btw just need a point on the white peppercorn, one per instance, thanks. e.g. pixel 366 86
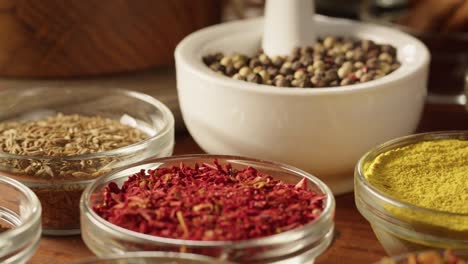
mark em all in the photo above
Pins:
pixel 349 54
pixel 318 64
pixel 346 81
pixel 385 57
pixel 328 42
pixel 345 69
pixel 300 75
pixel 245 71
pixel 264 59
pixel 277 61
pixel 254 78
pixel 358 65
pixel 226 61
pixel 239 57
pixel 282 83
pixel 265 76
pixel 239 64
pixel 385 67
pixel 358 74
pixel 257 69
pixel 237 76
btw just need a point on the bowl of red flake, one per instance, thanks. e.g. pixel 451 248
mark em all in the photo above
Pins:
pixel 226 207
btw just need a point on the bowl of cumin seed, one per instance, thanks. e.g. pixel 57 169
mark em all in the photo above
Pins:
pixel 58 140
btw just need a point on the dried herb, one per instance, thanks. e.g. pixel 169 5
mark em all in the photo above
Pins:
pixel 64 135
pixel 48 142
pixel 208 202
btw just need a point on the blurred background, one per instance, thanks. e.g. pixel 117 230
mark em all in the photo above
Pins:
pixel 130 44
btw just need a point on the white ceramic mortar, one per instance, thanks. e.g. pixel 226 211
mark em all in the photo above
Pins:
pixel 321 130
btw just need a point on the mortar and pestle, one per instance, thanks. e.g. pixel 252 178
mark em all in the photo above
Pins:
pixel 324 130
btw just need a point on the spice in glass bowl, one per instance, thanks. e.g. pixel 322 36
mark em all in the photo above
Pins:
pixel 427 257
pixel 429 174
pixel 412 190
pixel 332 61
pixel 65 135
pixel 208 202
pixel 58 183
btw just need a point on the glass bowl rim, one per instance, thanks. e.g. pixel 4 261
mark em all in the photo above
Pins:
pixel 280 238
pixel 167 115
pixel 32 200
pixel 150 255
pixel 405 255
pixel 428 136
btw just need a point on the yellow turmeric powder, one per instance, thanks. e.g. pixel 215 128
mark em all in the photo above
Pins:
pixel 429 174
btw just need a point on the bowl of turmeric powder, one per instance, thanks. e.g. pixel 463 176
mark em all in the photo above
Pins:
pixel 414 191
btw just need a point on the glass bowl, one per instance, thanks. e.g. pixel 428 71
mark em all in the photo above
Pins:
pixel 20 221
pixel 300 245
pixel 152 257
pixel 402 259
pixel 401 227
pixel 60 193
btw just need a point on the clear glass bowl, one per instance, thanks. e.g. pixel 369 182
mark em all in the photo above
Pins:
pixel 401 259
pixel 401 227
pixel 20 222
pixel 60 195
pixel 300 245
pixel 152 257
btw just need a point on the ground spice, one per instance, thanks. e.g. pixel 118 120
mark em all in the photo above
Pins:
pixel 60 206
pixel 429 174
pixel 55 137
pixel 208 202
pixel 429 257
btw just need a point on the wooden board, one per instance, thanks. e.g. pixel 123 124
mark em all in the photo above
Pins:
pixel 51 38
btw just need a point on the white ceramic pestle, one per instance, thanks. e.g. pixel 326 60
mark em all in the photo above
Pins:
pixel 287 24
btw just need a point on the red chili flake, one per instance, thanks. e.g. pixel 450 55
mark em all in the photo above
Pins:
pixel 209 202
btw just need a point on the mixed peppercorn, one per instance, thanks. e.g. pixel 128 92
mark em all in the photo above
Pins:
pixel 331 61
pixel 209 202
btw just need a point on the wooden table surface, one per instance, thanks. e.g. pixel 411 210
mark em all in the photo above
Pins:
pixel 354 243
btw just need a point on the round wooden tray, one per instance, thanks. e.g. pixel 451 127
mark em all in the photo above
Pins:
pixel 56 38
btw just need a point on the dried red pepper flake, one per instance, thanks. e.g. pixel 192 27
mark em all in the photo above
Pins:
pixel 208 202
